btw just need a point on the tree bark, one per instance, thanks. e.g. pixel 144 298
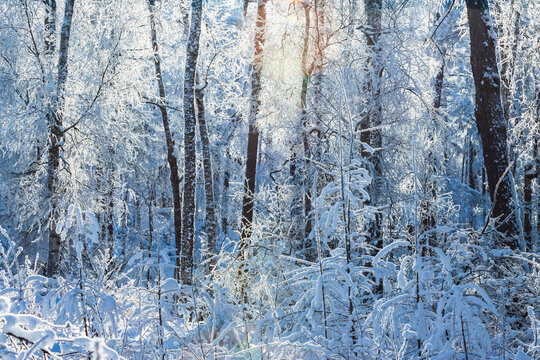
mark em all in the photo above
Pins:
pixel 56 139
pixel 150 237
pixel 528 176
pixel 373 118
pixel 537 175
pixel 428 219
pixel 300 170
pixel 439 84
pixel 171 153
pixel 225 196
pixel 490 120
pixel 531 172
pixel 253 131
pixel 211 218
pixel 190 166
pixel 109 217
pixel 307 70
pixel 50 27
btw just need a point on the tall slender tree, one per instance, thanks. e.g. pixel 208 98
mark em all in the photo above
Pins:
pixel 190 165
pixel 490 120
pixel 300 169
pixel 56 141
pixel 211 218
pixel 371 134
pixel 50 26
pixel 171 153
pixel 531 171
pixel 253 130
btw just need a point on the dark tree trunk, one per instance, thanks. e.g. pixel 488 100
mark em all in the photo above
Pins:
pixel 106 173
pixel 471 175
pixel 225 197
pixel 472 157
pixel 528 177
pixel 211 218
pixel 490 120
pixel 428 218
pixel 253 131
pixel 50 27
pixel 373 118
pixel 171 153
pixel 297 218
pixel 318 145
pixel 300 170
pixel 190 166
pixel 109 217
pixel 439 84
pixel 537 175
pixel 138 216
pixel 252 148
pixel 125 219
pixel 50 46
pixel 532 171
pixel 56 139
pixel 309 254
pixel 150 237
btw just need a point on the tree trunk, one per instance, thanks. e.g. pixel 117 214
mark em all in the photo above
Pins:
pixel 490 120
pixel 56 139
pixel 171 153
pixel 301 174
pixel 528 176
pixel 190 166
pixel 225 196
pixel 428 219
pixel 532 171
pixel 50 27
pixel 109 217
pixel 211 218
pixel 471 181
pixel 253 131
pixel 318 146
pixel 537 175
pixel 50 46
pixel 150 238
pixel 297 217
pixel 439 84
pixel 373 118
pixel 309 254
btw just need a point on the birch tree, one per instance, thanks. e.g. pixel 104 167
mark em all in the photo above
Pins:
pixel 211 218
pixel 190 165
pixel 56 140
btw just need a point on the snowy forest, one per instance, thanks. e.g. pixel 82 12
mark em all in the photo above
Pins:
pixel 269 179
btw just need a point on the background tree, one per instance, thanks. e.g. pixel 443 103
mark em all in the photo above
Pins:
pixel 253 130
pixel 172 152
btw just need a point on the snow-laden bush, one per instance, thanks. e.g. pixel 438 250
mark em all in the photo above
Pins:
pixel 41 317
pixel 450 302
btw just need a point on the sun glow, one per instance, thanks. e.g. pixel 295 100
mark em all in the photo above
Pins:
pixel 292 19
